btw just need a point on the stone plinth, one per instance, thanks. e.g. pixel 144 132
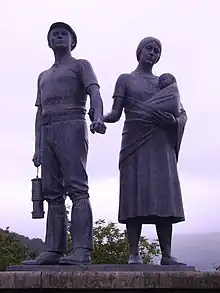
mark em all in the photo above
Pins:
pixel 103 277
pixel 102 268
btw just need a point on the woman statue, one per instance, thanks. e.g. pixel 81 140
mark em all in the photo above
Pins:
pixel 154 123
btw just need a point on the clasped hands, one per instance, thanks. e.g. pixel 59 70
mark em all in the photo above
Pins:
pixel 98 126
pixel 163 118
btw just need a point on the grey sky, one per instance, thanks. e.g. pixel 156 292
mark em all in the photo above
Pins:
pixel 108 33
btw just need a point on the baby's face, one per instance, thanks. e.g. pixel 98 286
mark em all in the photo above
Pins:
pixel 165 81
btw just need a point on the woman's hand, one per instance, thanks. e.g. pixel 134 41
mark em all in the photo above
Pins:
pixel 163 118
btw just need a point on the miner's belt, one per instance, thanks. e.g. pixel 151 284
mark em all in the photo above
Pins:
pixel 60 117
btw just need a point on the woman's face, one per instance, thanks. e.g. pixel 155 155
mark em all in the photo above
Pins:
pixel 150 53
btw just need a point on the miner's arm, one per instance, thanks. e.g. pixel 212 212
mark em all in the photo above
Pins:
pixel 91 85
pixel 38 124
pixel 96 104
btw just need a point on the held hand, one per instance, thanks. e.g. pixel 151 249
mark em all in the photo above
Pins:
pixel 37 159
pixel 163 118
pixel 98 126
pixel 91 114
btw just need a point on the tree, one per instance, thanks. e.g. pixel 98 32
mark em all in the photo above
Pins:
pixel 11 251
pixel 111 246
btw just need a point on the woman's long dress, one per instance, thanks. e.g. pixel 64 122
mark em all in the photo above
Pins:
pixel 149 183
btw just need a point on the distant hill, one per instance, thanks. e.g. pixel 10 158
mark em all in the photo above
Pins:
pixel 34 244
pixel 199 250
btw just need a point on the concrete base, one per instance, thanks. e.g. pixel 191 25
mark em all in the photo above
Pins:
pixel 101 268
pixel 130 280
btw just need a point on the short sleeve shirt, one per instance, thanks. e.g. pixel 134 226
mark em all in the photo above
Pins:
pixel 66 83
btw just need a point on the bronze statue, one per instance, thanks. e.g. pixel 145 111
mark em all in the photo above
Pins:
pixel 61 147
pixel 154 124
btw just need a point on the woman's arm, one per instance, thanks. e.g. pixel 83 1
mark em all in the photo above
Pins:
pixel 182 116
pixel 119 97
pixel 115 114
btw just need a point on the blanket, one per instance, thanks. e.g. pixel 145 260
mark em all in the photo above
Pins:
pixel 166 100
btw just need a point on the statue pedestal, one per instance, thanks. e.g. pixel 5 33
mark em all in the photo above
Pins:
pixel 101 268
pixel 105 277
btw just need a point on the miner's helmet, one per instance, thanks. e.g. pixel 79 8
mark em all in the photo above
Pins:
pixel 67 27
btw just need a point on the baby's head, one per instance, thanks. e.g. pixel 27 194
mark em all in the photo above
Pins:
pixel 165 80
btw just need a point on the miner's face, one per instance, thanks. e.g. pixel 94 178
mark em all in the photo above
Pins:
pixel 60 38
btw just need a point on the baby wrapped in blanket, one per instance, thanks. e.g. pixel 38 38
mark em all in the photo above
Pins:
pixel 168 98
pixel 165 80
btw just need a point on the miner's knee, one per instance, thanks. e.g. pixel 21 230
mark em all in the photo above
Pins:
pixel 55 199
pixel 77 197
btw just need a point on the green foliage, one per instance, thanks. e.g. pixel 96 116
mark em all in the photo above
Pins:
pixel 11 251
pixel 111 247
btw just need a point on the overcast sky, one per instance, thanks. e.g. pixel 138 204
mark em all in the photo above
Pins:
pixel 108 34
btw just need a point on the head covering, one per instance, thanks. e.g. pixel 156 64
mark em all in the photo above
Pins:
pixel 67 27
pixel 144 42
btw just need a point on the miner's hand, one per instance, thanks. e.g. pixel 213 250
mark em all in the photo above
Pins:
pixel 98 126
pixel 91 114
pixel 37 159
pixel 163 118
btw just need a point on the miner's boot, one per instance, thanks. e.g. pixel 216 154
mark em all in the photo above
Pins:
pixel 82 233
pixel 56 236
